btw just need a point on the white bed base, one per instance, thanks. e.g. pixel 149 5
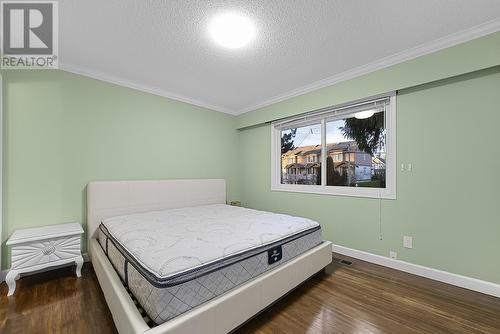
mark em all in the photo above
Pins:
pixel 219 315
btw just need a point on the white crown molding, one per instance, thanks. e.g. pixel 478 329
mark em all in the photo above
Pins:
pixel 470 283
pixel 412 53
pixel 138 86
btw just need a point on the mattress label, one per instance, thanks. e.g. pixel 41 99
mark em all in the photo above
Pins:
pixel 274 255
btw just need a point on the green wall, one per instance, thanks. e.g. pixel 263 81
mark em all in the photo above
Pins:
pixel 477 54
pixel 62 131
pixel 449 203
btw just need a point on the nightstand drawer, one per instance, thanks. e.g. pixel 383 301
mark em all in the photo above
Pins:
pixel 45 251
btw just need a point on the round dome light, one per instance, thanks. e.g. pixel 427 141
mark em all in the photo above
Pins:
pixel 232 30
pixel 364 114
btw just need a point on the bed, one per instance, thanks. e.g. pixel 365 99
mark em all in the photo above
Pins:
pixel 174 250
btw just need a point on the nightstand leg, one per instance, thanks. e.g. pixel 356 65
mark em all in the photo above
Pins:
pixel 11 281
pixel 79 264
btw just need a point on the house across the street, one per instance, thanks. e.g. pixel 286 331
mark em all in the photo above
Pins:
pixel 302 165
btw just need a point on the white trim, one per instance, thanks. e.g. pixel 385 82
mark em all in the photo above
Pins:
pixel 386 193
pixel 312 117
pixel 323 152
pixel 470 283
pixel 400 57
pixel 80 70
pixel 2 277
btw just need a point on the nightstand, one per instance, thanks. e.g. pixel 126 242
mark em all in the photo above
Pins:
pixel 43 247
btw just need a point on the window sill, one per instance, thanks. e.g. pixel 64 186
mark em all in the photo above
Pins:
pixel 336 191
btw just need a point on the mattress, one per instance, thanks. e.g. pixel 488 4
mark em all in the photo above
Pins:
pixel 174 260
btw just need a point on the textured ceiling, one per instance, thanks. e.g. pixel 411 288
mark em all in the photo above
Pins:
pixel 164 47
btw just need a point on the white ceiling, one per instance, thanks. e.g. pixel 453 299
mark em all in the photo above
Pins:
pixel 163 46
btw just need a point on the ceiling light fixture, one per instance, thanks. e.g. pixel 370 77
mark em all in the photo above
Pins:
pixel 364 114
pixel 232 30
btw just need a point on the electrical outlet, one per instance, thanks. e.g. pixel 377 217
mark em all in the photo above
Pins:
pixel 407 242
pixel 393 255
pixel 410 167
pixel 402 167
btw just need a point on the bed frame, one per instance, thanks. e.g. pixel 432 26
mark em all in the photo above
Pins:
pixel 219 315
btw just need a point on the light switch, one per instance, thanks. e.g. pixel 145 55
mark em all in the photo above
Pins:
pixel 407 242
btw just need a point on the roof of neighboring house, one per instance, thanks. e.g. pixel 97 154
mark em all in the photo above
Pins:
pixel 299 165
pixel 303 150
pixel 349 146
pixel 294 165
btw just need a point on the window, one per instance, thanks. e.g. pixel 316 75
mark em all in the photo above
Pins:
pixel 346 150
pixel 303 143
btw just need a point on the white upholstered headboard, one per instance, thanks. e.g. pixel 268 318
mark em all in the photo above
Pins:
pixel 112 198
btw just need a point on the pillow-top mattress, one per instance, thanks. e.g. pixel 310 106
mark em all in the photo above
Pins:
pixel 174 260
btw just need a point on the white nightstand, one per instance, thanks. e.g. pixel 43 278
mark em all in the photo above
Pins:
pixel 43 247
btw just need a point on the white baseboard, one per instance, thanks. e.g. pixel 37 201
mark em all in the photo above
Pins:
pixel 470 283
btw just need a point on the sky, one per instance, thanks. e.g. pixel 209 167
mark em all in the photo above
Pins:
pixel 311 135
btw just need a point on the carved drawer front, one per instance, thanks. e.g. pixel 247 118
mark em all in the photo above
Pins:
pixel 44 251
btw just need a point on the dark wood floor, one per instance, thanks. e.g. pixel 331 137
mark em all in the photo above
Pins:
pixel 361 298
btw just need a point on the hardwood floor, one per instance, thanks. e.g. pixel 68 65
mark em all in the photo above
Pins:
pixel 361 298
pixel 56 302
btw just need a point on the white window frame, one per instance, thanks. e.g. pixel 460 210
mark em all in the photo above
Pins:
pixel 2 273
pixel 389 192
